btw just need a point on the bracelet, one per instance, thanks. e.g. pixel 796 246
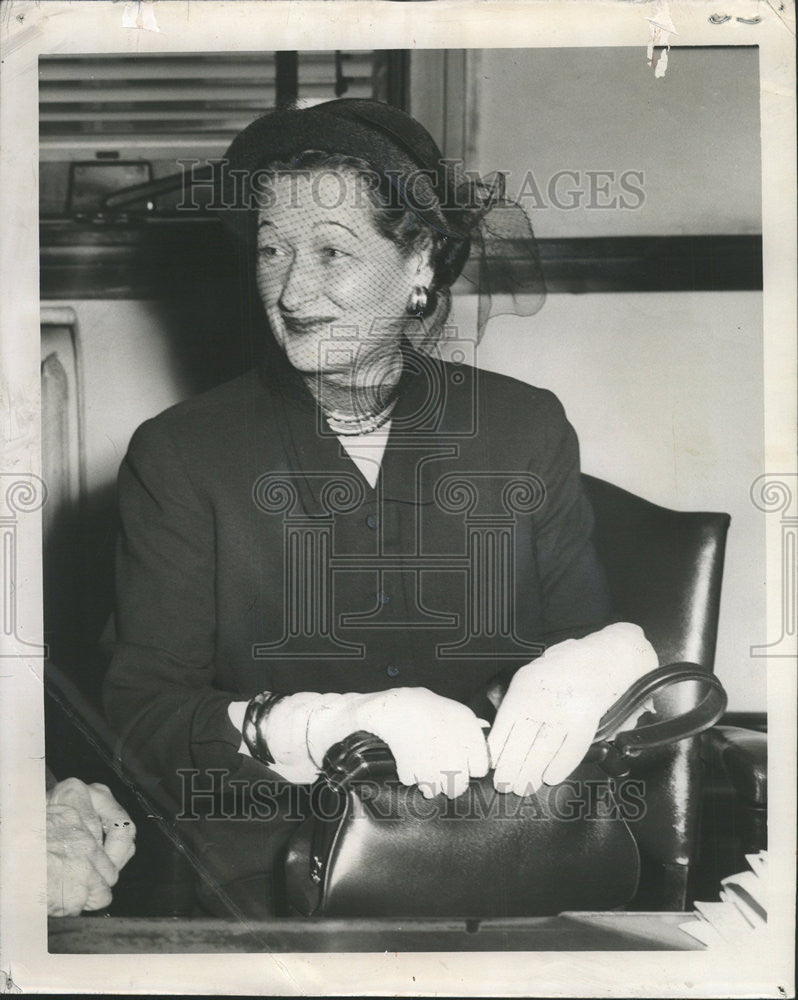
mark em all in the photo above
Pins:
pixel 254 729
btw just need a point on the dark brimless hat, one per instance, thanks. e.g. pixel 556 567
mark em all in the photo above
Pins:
pixel 388 140
pixel 394 145
pixel 366 129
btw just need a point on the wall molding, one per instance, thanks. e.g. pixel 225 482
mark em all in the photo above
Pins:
pixel 82 260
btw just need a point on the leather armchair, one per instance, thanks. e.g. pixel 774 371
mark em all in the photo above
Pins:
pixel 665 569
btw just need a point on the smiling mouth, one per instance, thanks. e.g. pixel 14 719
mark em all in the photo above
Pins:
pixel 303 326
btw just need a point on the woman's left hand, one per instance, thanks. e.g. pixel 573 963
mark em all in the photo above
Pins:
pixel 552 709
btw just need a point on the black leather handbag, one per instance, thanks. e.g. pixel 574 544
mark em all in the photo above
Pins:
pixel 373 847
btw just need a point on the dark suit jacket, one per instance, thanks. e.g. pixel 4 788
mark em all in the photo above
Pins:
pixel 255 556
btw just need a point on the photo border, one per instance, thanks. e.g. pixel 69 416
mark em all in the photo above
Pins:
pixel 30 29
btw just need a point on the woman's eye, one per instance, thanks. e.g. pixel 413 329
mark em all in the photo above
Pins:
pixel 333 253
pixel 270 252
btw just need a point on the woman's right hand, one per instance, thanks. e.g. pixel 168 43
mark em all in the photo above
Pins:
pixel 438 744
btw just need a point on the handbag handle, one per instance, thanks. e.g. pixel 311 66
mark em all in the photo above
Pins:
pixel 363 755
pixel 614 755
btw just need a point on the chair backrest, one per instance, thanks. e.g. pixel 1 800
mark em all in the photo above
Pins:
pixel 664 569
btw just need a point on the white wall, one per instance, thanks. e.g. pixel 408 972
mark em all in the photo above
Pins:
pixel 694 134
pixel 665 393
pixel 128 373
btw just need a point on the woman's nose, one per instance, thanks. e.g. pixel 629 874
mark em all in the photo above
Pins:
pixel 300 284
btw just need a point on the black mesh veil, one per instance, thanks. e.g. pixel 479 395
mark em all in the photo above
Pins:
pixel 503 265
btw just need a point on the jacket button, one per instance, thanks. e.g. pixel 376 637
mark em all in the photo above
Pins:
pixel 382 597
pixel 392 671
pixel 371 520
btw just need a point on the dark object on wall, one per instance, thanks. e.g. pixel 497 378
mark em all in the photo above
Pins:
pixel 653 264
pixel 92 181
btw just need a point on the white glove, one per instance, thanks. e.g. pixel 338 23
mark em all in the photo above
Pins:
pixel 90 838
pixel 438 743
pixel 550 714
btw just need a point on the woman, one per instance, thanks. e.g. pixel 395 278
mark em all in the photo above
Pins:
pixel 357 535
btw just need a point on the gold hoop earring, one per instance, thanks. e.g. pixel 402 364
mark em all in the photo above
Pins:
pixel 418 301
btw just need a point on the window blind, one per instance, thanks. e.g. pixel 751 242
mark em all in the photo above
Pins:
pixel 154 104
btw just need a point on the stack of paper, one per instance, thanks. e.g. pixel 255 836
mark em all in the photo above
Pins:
pixel 742 909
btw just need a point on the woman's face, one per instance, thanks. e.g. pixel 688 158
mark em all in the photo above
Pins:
pixel 336 291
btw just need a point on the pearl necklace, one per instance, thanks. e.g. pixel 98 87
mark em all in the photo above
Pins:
pixel 350 425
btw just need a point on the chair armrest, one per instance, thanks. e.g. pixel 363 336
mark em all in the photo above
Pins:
pixel 744 755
